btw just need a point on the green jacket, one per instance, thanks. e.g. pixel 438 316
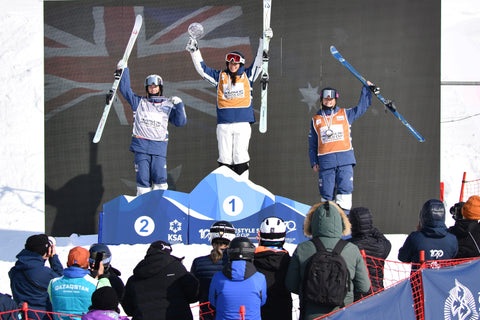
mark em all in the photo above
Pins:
pixel 329 228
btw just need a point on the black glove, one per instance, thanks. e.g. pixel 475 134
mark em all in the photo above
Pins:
pixel 117 73
pixel 374 89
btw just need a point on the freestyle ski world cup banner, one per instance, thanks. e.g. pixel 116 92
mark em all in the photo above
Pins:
pixel 186 218
pixel 394 174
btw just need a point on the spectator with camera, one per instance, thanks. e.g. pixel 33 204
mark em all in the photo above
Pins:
pixel 29 277
pixel 100 252
pixel 467 228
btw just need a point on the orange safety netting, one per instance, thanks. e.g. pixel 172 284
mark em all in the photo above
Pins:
pixel 469 188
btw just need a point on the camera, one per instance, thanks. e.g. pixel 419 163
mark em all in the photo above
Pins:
pixel 456 210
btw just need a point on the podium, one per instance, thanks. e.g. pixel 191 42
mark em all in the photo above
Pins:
pixel 186 218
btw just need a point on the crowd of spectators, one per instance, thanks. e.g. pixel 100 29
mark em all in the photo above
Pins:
pixel 236 276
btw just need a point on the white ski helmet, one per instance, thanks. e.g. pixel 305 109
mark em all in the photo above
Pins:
pixel 273 229
pixel 222 230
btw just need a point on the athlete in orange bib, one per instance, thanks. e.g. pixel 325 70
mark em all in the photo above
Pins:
pixel 330 146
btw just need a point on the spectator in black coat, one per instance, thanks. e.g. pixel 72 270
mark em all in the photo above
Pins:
pixel 375 244
pixel 467 230
pixel 160 287
pixel 221 233
pixel 272 260
pixel 29 278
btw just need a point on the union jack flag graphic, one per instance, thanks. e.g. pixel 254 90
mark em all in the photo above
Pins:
pixel 82 49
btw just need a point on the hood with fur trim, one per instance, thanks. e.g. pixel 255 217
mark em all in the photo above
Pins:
pixel 326 219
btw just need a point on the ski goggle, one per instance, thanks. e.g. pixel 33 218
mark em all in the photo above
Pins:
pixel 153 80
pixel 329 93
pixel 234 57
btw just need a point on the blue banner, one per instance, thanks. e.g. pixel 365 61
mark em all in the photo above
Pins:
pixel 394 303
pixel 453 292
pixel 186 218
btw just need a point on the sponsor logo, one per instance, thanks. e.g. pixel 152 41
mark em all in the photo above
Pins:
pixel 460 304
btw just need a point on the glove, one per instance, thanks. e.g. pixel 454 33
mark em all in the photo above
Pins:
pixel 374 88
pixel 192 45
pixel 268 33
pixel 117 73
pixel 175 100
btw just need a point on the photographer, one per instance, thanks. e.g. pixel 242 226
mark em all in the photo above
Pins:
pixel 29 278
pixel 467 228
pixel 100 252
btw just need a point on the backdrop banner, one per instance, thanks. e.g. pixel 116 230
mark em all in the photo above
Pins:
pixel 186 218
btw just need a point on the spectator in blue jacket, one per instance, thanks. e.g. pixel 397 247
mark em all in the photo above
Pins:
pixel 431 236
pixel 238 284
pixel 8 304
pixel 72 293
pixel 221 233
pixel 29 278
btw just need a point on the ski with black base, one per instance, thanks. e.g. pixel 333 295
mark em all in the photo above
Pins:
pixel 118 77
pixel 386 102
pixel 267 7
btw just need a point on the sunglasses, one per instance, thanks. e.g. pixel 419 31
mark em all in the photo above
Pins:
pixel 234 57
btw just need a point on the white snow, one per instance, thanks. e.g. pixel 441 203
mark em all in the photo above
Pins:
pixel 22 147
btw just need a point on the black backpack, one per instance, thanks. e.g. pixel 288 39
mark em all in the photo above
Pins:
pixel 326 280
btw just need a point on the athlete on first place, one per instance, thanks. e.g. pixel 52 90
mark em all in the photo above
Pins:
pixel 234 103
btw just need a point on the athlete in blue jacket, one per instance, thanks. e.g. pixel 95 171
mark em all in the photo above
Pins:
pixel 238 284
pixel 234 103
pixel 151 115
pixel 330 146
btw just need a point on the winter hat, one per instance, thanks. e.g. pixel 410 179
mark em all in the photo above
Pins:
pixel 78 256
pixel 105 298
pixel 471 209
pixel 38 243
pixel 361 220
pixel 159 247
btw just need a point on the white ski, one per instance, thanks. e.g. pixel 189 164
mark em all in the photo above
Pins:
pixel 113 90
pixel 267 6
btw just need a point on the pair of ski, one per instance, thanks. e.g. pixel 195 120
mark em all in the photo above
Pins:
pixel 386 102
pixel 118 77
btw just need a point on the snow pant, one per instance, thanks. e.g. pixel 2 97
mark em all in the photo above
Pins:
pixel 150 171
pixel 233 140
pixel 336 184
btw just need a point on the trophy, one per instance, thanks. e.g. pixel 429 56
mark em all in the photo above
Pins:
pixel 195 30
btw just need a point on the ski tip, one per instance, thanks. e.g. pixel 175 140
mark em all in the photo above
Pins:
pixel 333 49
